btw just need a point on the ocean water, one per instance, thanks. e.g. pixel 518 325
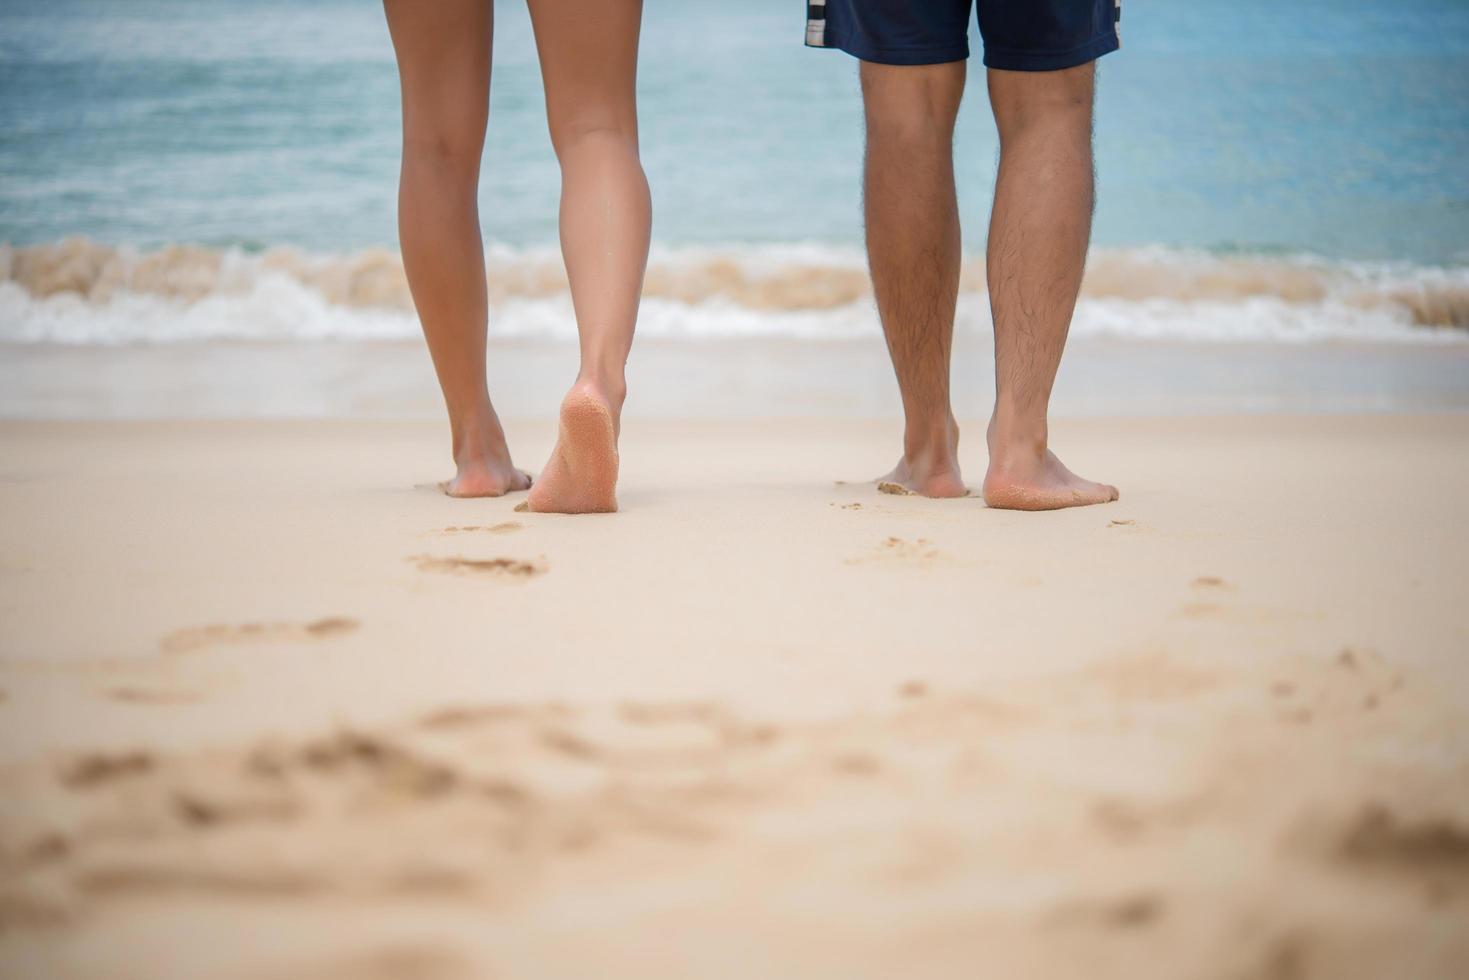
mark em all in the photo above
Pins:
pixel 183 170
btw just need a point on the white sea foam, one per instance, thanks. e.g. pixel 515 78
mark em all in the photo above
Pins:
pixel 82 292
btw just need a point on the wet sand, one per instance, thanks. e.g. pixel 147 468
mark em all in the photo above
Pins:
pixel 271 706
pixel 756 378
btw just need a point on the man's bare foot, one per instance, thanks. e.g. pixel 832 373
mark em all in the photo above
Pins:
pixel 485 477
pixel 1031 477
pixel 930 465
pixel 581 475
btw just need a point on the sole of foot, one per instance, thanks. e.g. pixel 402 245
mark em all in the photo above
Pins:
pixel 581 475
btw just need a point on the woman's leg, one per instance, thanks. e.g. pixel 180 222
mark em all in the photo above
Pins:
pixel 443 52
pixel 589 57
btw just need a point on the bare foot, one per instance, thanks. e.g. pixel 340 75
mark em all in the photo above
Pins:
pixel 1033 478
pixel 485 477
pixel 928 468
pixel 925 480
pixel 581 475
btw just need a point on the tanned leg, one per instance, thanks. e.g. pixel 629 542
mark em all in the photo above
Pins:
pixel 443 52
pixel 914 252
pixel 589 57
pixel 1039 232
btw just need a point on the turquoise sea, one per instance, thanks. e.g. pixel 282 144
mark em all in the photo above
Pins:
pixel 1293 170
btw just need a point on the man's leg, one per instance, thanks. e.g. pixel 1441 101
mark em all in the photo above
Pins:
pixel 913 249
pixel 1037 249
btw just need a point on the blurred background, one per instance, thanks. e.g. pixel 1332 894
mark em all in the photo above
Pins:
pixel 197 201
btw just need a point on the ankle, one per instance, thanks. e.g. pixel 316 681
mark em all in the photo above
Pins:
pixel 611 385
pixel 1012 437
pixel 933 442
pixel 478 437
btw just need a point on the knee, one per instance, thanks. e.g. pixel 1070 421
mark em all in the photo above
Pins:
pixel 910 132
pixel 447 148
pixel 1024 101
pixel 588 130
pixel 911 108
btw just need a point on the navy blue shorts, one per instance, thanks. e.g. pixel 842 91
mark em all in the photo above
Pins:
pixel 1019 35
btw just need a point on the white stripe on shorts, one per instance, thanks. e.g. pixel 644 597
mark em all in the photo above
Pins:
pixel 816 23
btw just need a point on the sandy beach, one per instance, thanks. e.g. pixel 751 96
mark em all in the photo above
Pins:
pixel 270 709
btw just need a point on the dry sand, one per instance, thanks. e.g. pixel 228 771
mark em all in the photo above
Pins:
pixel 269 710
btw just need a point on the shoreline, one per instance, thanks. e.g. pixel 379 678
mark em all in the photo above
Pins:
pixel 746 379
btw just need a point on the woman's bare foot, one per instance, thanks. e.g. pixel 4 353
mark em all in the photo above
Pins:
pixel 926 477
pixel 1025 475
pixel 485 476
pixel 481 455
pixel 930 464
pixel 581 475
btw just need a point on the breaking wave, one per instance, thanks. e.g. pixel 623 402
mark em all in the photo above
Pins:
pixel 83 292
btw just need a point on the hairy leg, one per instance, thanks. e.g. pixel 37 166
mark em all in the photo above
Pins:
pixel 914 251
pixel 589 57
pixel 443 53
pixel 1039 232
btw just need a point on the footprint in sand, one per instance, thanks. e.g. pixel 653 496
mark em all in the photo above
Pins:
pixel 913 689
pixel 855 763
pixel 1284 958
pixel 897 551
pixel 507 568
pixel 484 802
pixel 97 768
pixel 467 717
pixel 672 712
pixel 200 637
pixel 1357 679
pixel 504 527
pixel 1431 843
pixel 140 695
pixel 1131 911
pixel 163 878
pixel 428 962
pixel 1205 585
